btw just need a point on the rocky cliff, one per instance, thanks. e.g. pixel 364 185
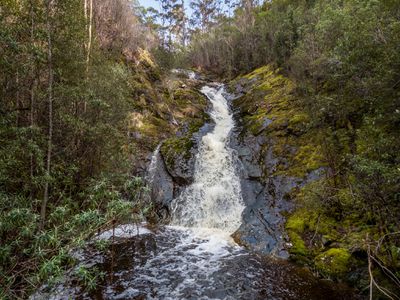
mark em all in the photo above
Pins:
pixel 284 168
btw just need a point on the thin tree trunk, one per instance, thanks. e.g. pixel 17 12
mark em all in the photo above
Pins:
pixel 32 100
pixel 17 99
pixel 50 108
pixel 89 43
pixel 85 8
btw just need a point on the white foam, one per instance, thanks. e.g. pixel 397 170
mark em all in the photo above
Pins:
pixel 214 199
pixel 153 166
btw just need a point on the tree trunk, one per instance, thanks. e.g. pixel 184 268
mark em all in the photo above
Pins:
pixel 50 108
pixel 32 100
pixel 18 105
pixel 89 42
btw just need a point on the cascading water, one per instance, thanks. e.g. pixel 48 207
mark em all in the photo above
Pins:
pixel 153 166
pixel 195 258
pixel 214 200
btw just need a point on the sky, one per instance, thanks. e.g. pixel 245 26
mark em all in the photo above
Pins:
pixel 155 4
pixel 148 3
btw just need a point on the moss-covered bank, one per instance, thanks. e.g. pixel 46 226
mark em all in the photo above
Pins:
pixel 168 108
pixel 332 245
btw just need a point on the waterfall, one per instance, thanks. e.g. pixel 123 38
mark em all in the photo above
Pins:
pixel 151 170
pixel 214 199
pixel 195 257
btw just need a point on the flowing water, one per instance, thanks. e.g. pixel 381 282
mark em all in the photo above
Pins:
pixel 152 166
pixel 213 202
pixel 195 257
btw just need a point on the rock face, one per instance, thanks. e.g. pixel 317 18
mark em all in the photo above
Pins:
pixel 262 228
pixel 269 160
pixel 267 143
pixel 178 155
pixel 162 187
pixel 174 170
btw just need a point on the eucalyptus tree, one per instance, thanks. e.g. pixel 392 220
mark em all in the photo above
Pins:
pixel 173 25
pixel 204 13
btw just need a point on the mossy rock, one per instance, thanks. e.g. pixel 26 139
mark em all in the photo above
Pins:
pixel 179 158
pixel 310 157
pixel 178 148
pixel 298 247
pixel 298 123
pixel 296 223
pixel 256 123
pixel 189 96
pixel 262 71
pixel 173 148
pixel 270 107
pixel 333 263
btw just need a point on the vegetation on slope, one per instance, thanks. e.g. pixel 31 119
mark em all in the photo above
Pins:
pixel 333 228
pixel 82 101
pixel 342 60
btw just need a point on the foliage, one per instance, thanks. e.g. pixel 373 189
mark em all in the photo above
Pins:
pixel 91 186
pixel 340 117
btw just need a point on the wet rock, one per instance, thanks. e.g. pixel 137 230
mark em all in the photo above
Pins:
pixel 271 162
pixel 266 194
pixel 262 228
pixel 251 190
pixel 249 154
pixel 264 125
pixel 259 233
pixel 180 165
pixel 162 186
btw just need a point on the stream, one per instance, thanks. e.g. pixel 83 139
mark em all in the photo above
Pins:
pixel 195 257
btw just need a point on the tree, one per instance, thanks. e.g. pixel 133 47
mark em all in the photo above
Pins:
pixel 204 13
pixel 49 9
pixel 173 23
pixel 179 23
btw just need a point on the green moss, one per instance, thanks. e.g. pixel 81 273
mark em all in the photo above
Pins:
pixel 334 262
pixel 296 223
pixel 184 96
pixel 327 226
pixel 272 97
pixel 255 122
pixel 176 147
pixel 298 246
pixel 257 72
pixel 319 231
pixel 196 124
pixel 152 127
pixel 309 157
pixel 299 118
pixel 298 122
